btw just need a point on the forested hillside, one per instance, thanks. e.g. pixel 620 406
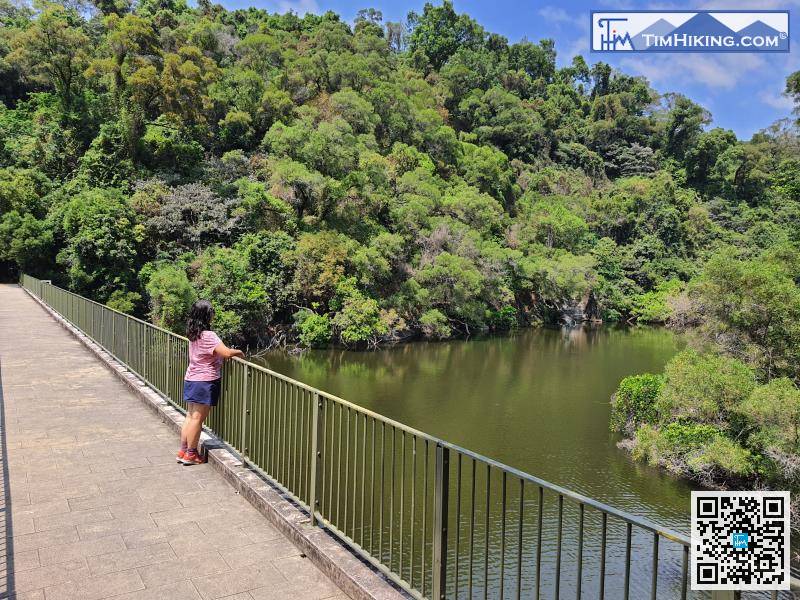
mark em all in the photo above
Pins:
pixel 356 184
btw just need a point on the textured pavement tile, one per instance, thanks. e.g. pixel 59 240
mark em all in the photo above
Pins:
pixel 157 535
pixel 194 540
pixel 33 541
pixel 273 593
pixel 239 580
pixel 201 497
pixel 130 559
pixel 120 525
pixel 30 595
pixel 22 524
pixel 183 590
pixel 305 577
pixel 48 507
pixel 261 532
pixel 80 517
pixel 228 521
pixel 182 515
pixel 82 549
pixel 24 561
pixel 259 553
pixel 133 505
pixel 92 501
pixel 96 588
pixel 43 577
pixel 64 492
pixel 179 569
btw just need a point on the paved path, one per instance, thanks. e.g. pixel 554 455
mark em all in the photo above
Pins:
pixel 95 505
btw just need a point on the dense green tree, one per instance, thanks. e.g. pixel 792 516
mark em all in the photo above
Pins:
pixel 685 122
pixel 439 32
pixel 171 296
pixel 101 239
pixel 53 51
pixel 753 308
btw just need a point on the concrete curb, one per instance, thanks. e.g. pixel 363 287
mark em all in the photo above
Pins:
pixel 354 576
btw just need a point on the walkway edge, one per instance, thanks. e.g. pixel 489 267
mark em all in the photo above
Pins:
pixel 351 574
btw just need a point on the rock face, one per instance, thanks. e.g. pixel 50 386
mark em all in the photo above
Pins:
pixel 586 310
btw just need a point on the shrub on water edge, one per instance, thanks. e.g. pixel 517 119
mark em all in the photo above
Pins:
pixel 502 319
pixel 704 387
pixel 721 453
pixel 654 306
pixel 314 330
pixel 359 320
pixel 774 408
pixel 689 449
pixel 435 324
pixel 650 446
pixel 634 402
pixel 684 437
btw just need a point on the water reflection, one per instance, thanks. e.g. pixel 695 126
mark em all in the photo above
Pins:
pixel 538 401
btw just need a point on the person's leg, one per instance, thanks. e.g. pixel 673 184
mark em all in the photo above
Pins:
pixel 185 427
pixel 194 424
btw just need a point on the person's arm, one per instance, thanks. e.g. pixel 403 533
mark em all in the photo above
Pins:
pixel 223 351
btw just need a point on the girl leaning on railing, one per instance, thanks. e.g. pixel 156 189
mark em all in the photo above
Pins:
pixel 202 382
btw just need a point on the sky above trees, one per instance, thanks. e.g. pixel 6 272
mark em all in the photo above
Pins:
pixel 743 92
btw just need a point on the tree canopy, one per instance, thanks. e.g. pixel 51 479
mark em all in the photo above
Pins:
pixel 360 183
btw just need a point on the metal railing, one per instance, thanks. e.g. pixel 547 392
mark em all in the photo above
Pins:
pixel 437 519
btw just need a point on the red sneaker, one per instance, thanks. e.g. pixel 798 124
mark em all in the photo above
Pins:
pixel 181 456
pixel 192 458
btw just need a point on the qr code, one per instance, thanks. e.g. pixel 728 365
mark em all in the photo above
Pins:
pixel 740 541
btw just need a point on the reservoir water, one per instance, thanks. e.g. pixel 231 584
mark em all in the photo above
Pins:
pixel 537 400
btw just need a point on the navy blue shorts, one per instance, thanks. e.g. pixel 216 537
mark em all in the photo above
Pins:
pixel 202 392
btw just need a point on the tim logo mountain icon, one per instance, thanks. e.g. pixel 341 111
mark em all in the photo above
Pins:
pixel 690 31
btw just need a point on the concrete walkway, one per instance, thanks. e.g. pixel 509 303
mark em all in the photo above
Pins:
pixel 94 504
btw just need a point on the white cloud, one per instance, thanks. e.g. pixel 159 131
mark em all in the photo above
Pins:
pixel 777 100
pixel 720 71
pixel 577 46
pixel 555 14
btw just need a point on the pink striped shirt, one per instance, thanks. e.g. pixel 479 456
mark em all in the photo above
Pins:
pixel 204 365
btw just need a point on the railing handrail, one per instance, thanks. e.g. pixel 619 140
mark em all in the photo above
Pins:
pixel 627 517
pixel 664 532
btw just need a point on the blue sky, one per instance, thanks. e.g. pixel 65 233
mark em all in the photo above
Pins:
pixel 744 92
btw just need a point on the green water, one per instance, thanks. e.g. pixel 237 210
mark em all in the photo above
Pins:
pixel 537 400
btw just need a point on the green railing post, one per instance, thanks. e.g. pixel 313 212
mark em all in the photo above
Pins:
pixel 169 378
pixel 725 595
pixel 440 507
pixel 127 342
pixel 145 370
pixel 245 412
pixel 317 429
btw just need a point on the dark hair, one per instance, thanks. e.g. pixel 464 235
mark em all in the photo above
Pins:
pixel 199 320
